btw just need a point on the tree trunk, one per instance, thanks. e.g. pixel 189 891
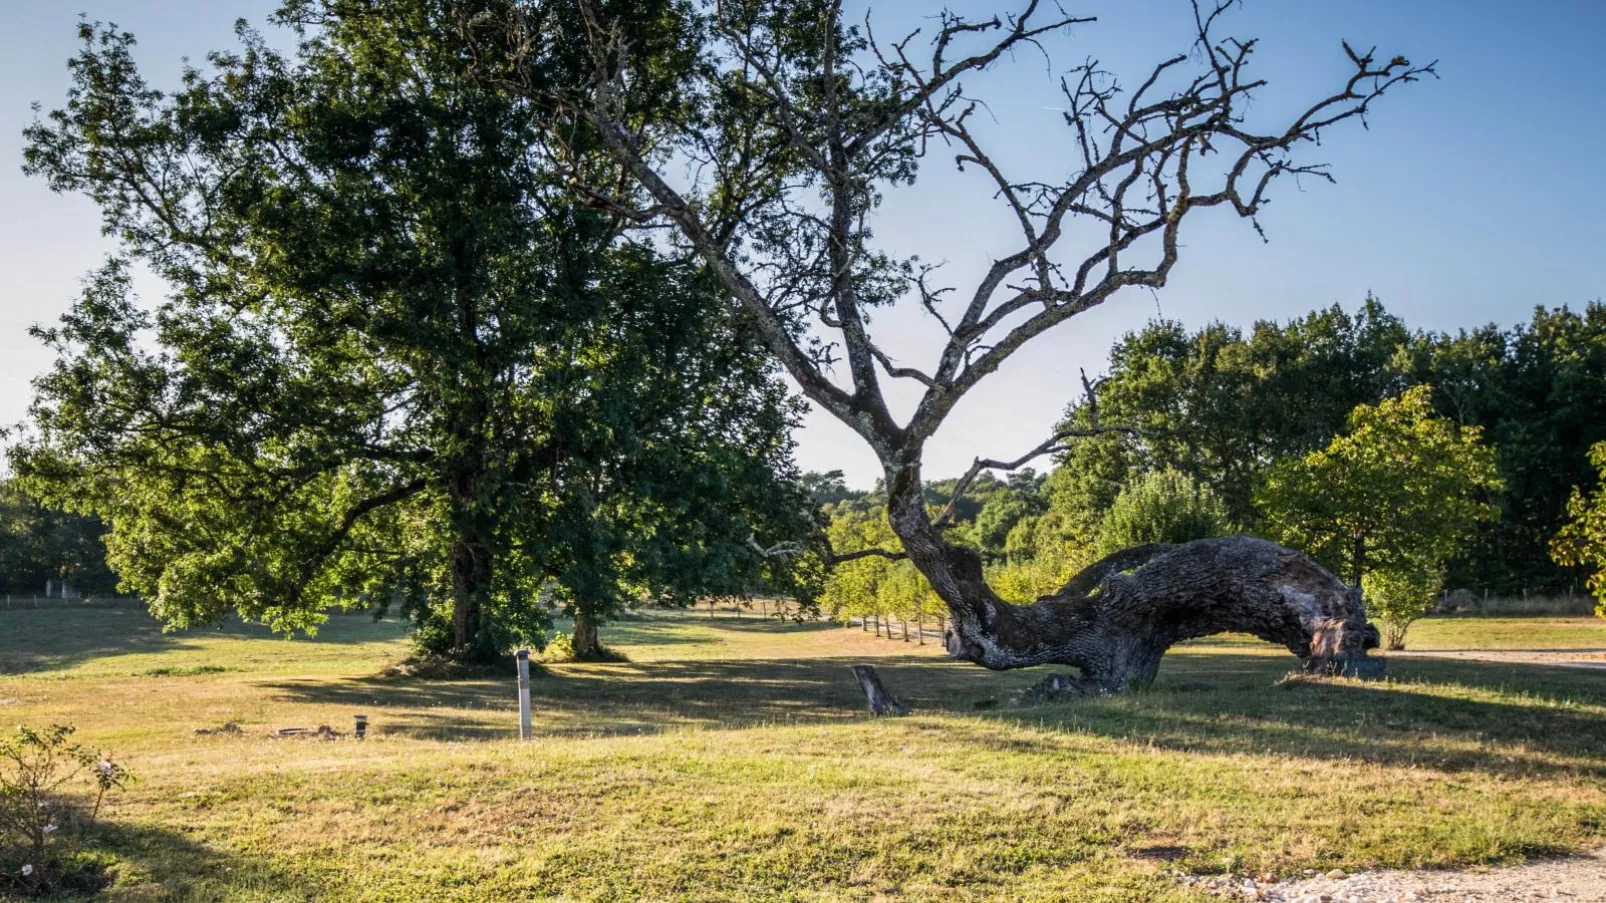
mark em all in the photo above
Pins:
pixel 881 701
pixel 469 560
pixel 587 648
pixel 1359 554
pixel 471 579
pixel 905 627
pixel 1115 628
pixel 920 624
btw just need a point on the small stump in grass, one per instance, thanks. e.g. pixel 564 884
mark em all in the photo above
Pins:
pixel 882 702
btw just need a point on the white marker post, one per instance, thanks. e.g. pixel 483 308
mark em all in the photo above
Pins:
pixel 523 656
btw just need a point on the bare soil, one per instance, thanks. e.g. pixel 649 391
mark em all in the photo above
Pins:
pixel 1565 658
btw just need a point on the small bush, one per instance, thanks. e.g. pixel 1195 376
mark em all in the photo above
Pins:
pixel 1164 506
pixel 560 648
pixel 40 820
pixel 1400 595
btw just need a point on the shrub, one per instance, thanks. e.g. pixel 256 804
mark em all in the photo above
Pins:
pixel 560 648
pixel 1400 595
pixel 1164 506
pixel 38 816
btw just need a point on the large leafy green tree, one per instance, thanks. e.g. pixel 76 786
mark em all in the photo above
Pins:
pixel 1221 404
pixel 1218 404
pixel 396 355
pixel 1400 492
pixel 1536 389
pixel 1581 542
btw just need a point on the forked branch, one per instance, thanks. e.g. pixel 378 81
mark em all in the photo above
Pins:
pixel 794 118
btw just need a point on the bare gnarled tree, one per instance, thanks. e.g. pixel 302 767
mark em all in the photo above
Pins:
pixel 790 123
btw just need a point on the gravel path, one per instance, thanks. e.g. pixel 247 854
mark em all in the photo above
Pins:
pixel 1567 658
pixel 1578 879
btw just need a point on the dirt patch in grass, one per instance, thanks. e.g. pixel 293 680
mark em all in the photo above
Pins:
pixel 1560 658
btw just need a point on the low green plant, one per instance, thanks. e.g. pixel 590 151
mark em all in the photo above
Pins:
pixel 39 816
pixel 1400 595
pixel 560 648
pixel 1164 506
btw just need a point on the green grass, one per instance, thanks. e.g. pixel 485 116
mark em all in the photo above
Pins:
pixel 731 760
pixel 1538 632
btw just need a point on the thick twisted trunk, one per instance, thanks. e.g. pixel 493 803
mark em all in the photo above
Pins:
pixel 1115 627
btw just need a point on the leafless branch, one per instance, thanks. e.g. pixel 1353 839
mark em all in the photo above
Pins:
pixel 890 555
pixel 785 549
pixel 1051 445
pixel 805 129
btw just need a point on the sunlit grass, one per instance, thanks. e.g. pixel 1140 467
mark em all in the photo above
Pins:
pixel 731 759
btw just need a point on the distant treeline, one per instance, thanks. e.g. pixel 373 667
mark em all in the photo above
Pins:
pixel 1222 405
pixel 38 544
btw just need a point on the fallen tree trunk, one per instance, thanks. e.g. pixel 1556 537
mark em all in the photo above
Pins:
pixel 1114 626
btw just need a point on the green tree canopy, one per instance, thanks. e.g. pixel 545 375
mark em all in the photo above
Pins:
pixel 1581 542
pixel 1217 404
pixel 1164 506
pixel 1221 404
pixel 1536 390
pixel 396 354
pixel 1400 491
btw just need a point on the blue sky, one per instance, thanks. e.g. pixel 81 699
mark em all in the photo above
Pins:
pixel 1471 199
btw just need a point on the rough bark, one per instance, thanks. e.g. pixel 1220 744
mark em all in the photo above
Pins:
pixel 1114 627
pixel 882 702
pixel 471 578
pixel 586 645
pixel 470 557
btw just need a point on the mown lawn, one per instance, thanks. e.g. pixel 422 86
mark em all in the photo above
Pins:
pixel 730 759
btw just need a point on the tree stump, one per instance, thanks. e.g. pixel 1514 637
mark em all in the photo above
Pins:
pixel 882 702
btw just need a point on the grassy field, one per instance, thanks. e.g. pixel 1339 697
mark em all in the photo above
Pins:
pixel 730 759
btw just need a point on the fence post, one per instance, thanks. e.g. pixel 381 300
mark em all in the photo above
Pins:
pixel 523 656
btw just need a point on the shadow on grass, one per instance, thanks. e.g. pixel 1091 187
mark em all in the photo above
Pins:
pixel 53 639
pixel 156 863
pixel 647 697
pixel 59 639
pixel 1436 715
pixel 1449 715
